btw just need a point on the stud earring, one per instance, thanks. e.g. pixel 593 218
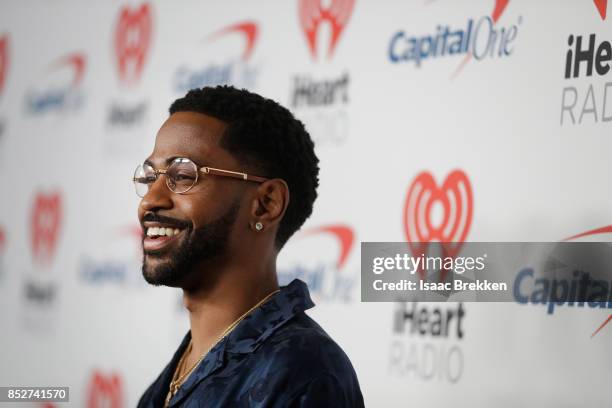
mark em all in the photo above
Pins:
pixel 258 226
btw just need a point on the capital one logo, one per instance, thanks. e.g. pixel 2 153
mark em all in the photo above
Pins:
pixel 60 88
pixel 122 254
pixel 313 15
pixel 239 71
pixel 76 63
pixel 452 200
pixel 478 39
pixel 343 235
pixel 247 29
pixel 598 231
pixel 498 10
pixel 132 41
pixel 105 391
pixel 326 275
pixel 45 223
pixel 602 6
pixel 4 59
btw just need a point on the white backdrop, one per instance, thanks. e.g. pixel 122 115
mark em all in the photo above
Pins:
pixel 74 122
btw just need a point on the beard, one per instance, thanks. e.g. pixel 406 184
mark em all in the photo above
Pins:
pixel 197 247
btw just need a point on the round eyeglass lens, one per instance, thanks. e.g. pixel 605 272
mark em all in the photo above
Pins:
pixel 144 176
pixel 181 175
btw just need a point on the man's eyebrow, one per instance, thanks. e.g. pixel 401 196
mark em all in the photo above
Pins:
pixel 170 160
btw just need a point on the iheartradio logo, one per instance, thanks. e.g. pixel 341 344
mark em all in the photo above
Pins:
pixel 45 225
pixel 4 57
pixel 132 41
pixel 453 201
pixel 105 391
pixel 313 15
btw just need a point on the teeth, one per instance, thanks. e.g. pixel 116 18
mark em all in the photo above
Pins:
pixel 162 231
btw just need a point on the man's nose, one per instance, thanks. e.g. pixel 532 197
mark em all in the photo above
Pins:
pixel 158 196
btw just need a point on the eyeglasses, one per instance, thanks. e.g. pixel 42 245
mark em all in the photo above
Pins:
pixel 181 175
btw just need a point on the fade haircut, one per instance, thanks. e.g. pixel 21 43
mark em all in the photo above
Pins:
pixel 268 139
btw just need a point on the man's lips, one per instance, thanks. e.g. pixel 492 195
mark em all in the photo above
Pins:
pixel 158 237
pixel 159 243
pixel 160 232
pixel 155 220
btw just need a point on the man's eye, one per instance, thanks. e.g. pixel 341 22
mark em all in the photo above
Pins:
pixel 146 180
pixel 183 177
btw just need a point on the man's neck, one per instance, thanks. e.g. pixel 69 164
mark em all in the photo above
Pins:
pixel 213 310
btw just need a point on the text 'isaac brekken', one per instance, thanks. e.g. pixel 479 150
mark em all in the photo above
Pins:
pixel 456 285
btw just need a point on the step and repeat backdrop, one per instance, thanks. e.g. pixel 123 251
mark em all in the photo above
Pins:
pixel 497 109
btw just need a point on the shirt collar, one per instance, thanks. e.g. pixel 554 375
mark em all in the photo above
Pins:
pixel 248 334
pixel 263 321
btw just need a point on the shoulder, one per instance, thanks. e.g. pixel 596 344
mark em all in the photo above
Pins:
pixel 302 340
pixel 325 390
pixel 308 362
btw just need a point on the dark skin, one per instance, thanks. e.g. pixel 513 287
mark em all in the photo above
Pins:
pixel 217 290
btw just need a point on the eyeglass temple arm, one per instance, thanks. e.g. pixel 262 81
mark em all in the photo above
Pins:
pixel 234 174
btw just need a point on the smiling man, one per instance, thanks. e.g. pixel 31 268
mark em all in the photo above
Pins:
pixel 232 176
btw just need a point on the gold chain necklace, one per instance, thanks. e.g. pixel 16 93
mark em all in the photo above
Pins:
pixel 176 383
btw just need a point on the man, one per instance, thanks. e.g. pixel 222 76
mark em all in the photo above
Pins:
pixel 232 176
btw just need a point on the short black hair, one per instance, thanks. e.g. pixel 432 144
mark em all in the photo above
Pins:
pixel 269 139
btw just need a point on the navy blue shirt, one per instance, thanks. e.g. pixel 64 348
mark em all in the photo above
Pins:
pixel 276 357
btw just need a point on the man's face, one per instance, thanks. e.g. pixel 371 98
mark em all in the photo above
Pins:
pixel 200 220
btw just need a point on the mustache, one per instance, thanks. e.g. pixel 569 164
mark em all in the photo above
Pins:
pixel 172 222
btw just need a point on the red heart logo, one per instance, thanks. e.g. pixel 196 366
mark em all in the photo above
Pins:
pixel 45 225
pixel 455 197
pixel 105 391
pixel 312 14
pixel 3 59
pixel 132 41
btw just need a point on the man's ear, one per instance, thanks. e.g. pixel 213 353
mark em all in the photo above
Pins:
pixel 269 203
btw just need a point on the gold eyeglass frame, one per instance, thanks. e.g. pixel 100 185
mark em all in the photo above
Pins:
pixel 205 169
